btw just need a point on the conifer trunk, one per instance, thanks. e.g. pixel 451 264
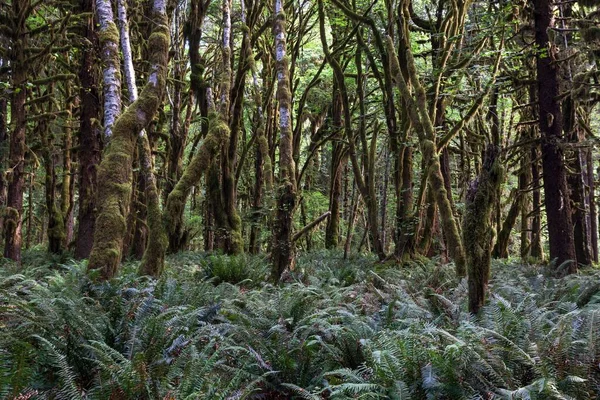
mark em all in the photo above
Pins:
pixel 13 219
pixel 88 153
pixel 558 208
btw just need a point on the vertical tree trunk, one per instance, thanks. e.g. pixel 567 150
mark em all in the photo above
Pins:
pixel 89 139
pixel 67 195
pixel 537 250
pixel 524 185
pixel 592 200
pixel 233 240
pixel 575 182
pixel 478 230
pixel 16 159
pixel 283 246
pixel 109 52
pixel 558 208
pixel 3 158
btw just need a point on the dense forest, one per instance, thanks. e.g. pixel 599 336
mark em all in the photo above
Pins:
pixel 299 199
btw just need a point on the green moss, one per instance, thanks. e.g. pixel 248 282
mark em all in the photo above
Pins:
pixel 110 34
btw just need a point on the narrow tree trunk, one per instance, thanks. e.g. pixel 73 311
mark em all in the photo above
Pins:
pixel 3 159
pixel 283 246
pixel 575 182
pixel 66 198
pixel 558 208
pixel 592 200
pixel 109 43
pixel 501 246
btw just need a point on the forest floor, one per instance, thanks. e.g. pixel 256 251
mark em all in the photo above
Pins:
pixel 212 328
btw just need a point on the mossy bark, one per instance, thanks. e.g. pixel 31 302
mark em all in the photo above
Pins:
pixel 56 227
pixel 154 256
pixel 202 159
pixel 337 162
pixel 3 159
pixel 418 112
pixel 478 231
pixel 115 175
pixel 283 247
pixel 16 158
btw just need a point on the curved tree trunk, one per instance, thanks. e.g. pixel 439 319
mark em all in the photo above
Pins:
pixel 114 175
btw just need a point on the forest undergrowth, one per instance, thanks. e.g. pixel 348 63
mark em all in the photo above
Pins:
pixel 211 328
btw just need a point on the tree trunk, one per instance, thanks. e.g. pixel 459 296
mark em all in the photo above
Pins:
pixel 109 43
pixel 89 139
pixel 558 208
pixel 3 159
pixel 575 182
pixel 283 246
pixel 114 175
pixel 16 159
pixel 478 230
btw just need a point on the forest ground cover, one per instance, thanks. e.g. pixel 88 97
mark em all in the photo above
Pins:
pixel 211 328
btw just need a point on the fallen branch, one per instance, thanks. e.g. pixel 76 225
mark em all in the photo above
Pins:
pixel 308 227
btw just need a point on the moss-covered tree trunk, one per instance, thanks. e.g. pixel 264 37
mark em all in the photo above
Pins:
pixel 88 151
pixel 3 159
pixel 478 231
pixel 233 242
pixel 16 160
pixel 114 175
pixel 153 255
pixel 337 163
pixel 283 247
pixel 420 117
pixel 56 231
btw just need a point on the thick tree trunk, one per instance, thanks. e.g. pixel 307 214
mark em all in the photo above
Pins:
pixel 558 208
pixel 89 139
pixel 16 159
pixel 283 246
pixel 114 175
pixel 478 230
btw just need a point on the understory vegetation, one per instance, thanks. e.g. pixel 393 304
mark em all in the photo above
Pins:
pixel 212 328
